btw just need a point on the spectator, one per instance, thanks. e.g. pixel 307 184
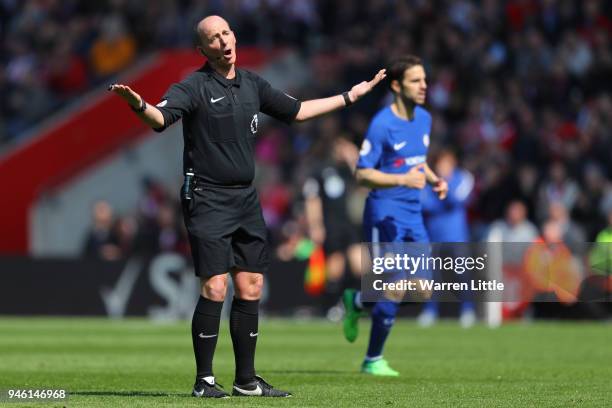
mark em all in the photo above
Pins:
pixel 558 187
pixel 571 234
pixel 124 234
pixel 516 228
pixel 114 49
pixel 99 239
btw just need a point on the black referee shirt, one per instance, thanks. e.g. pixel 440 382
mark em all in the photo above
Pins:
pixel 220 121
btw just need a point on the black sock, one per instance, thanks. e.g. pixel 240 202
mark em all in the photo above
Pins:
pixel 244 319
pixel 204 333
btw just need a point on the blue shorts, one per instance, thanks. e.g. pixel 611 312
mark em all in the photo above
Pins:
pixel 397 226
pixel 388 220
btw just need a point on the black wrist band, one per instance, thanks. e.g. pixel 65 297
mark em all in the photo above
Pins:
pixel 141 108
pixel 347 99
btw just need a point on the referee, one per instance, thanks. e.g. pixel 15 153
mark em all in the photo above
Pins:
pixel 219 105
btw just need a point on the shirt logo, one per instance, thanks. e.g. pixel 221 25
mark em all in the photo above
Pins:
pixel 212 100
pixel 162 103
pixel 398 146
pixel 333 184
pixel 426 140
pixel 254 123
pixel 366 146
pixel 414 160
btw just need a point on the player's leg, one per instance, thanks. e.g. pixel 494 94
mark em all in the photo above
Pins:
pixel 353 255
pixel 430 313
pixel 353 310
pixel 467 311
pixel 406 229
pixel 431 309
pixel 383 317
pixel 340 248
pixel 351 298
pixel 335 264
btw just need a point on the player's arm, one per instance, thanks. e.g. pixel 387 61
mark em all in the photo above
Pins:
pixel 373 178
pixel 316 107
pixel 370 156
pixel 148 114
pixel 440 186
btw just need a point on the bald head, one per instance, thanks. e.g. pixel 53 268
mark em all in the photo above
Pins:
pixel 217 42
pixel 208 25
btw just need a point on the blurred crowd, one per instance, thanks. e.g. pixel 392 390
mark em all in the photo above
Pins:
pixel 519 89
pixel 154 226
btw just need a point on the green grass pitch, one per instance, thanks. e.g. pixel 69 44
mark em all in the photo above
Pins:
pixel 136 363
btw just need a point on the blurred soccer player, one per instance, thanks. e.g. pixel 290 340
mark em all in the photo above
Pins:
pixel 446 221
pixel 393 164
pixel 327 192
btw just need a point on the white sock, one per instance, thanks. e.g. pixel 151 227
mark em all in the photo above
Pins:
pixel 357 300
pixel 371 359
pixel 210 380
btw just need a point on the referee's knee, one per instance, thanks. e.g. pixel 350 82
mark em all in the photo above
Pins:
pixel 249 286
pixel 214 288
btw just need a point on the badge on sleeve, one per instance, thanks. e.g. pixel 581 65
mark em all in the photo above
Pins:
pixel 254 123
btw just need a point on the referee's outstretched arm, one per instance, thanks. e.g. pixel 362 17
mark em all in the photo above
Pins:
pixel 149 114
pixel 316 107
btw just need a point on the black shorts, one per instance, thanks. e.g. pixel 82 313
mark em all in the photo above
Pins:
pixel 340 236
pixel 226 230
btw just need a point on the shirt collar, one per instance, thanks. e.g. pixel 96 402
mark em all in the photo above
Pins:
pixel 220 78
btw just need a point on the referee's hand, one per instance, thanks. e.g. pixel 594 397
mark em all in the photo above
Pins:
pixel 359 90
pixel 124 91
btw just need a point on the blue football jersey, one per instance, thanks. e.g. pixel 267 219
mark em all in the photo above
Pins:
pixel 395 145
pixel 446 220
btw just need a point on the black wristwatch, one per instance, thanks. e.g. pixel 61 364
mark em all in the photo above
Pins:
pixel 141 108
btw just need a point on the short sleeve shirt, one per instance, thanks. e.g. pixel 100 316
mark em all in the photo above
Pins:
pixel 220 121
pixel 394 145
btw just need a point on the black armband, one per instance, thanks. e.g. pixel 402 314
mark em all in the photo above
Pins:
pixel 347 99
pixel 141 108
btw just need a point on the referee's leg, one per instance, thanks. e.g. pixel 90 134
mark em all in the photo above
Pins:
pixel 244 322
pixel 205 332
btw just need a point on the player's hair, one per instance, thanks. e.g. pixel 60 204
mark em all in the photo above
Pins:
pixel 398 66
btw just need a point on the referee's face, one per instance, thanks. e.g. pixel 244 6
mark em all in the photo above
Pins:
pixel 217 40
pixel 414 86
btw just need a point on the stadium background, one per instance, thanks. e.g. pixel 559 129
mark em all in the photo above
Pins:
pixel 519 89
